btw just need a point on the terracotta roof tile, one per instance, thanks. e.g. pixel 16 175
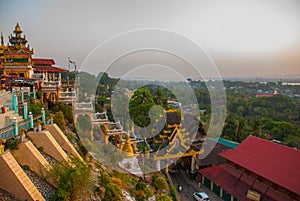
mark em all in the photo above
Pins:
pixel 42 61
pixel 48 69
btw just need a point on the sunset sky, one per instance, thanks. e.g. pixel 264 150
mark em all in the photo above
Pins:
pixel 250 38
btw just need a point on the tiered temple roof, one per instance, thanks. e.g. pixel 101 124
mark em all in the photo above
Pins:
pixel 16 58
pixel 180 136
pixel 17 52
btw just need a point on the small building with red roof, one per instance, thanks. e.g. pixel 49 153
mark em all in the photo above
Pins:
pixel 259 95
pixel 257 169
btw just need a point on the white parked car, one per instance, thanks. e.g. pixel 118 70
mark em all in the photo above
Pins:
pixel 201 196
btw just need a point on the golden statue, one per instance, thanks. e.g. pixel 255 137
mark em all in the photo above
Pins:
pixel 23 135
pixel 2 146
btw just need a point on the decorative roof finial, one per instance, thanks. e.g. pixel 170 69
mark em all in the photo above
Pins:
pixel 17 28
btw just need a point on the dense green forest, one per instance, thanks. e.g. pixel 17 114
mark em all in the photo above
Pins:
pixel 276 117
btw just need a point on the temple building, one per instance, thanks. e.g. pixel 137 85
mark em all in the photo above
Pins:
pixel 19 68
pixel 49 77
pixel 256 169
pixel 16 57
pixel 180 139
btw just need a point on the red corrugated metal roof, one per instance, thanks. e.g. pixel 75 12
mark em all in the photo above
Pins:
pixel 227 181
pixel 277 163
pixel 238 184
pixel 42 61
pixel 48 69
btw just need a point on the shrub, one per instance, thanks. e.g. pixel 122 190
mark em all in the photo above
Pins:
pixel 163 197
pixel 173 192
pixel 148 192
pixel 104 179
pixel 13 144
pixel 59 119
pixel 41 149
pixel 25 167
pixel 160 183
pixel 112 193
pixel 117 181
pixel 39 95
pixel 35 108
pixel 140 195
pixel 154 176
pixel 73 180
pixel 140 186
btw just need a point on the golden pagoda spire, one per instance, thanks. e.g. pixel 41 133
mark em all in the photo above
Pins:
pixel 17 28
pixel 127 147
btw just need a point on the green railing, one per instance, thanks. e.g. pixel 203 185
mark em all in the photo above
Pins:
pixel 8 131
pixel 227 143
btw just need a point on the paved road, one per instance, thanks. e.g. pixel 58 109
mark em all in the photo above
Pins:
pixel 190 186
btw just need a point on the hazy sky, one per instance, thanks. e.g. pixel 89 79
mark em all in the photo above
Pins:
pixel 248 38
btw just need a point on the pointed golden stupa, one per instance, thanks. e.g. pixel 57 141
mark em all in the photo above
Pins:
pixel 127 146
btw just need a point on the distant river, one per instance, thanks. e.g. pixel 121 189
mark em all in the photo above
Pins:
pixel 291 83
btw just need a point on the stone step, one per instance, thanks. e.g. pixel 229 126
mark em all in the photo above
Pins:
pixel 28 154
pixel 16 181
pixel 4 98
pixel 6 118
pixel 62 140
pixel 50 146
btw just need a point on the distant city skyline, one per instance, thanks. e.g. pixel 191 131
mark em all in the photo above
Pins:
pixel 248 38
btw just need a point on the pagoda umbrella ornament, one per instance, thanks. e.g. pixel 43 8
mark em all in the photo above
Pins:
pixel 71 62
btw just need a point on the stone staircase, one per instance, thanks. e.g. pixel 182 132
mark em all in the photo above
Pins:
pixel 49 145
pixel 15 181
pixel 6 118
pixel 28 154
pixel 62 139
pixel 5 97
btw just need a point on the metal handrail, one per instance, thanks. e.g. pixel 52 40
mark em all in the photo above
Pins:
pixel 7 132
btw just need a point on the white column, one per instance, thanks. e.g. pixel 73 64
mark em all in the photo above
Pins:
pixel 157 164
pixel 193 164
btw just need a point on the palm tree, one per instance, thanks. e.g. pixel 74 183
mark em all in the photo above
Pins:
pixel 240 126
pixel 256 126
